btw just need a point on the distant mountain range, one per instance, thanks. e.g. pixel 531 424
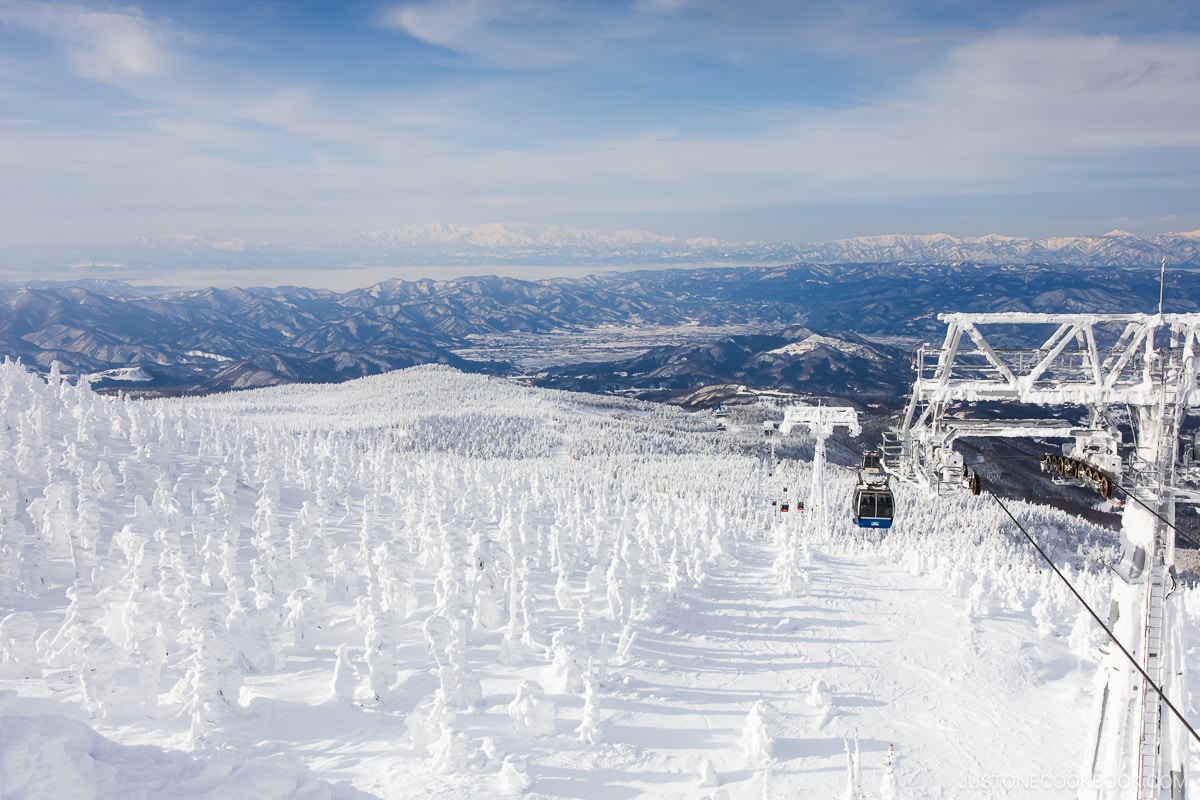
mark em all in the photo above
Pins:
pixel 835 331
pixel 483 245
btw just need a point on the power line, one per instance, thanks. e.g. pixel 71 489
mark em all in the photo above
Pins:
pixel 1112 637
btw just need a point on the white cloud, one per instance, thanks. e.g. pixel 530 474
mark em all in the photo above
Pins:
pixel 1008 112
pixel 103 46
pixel 1074 93
pixel 511 34
pixel 660 6
pixel 1011 111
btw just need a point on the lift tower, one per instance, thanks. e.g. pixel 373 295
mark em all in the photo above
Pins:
pixel 1104 363
pixel 821 422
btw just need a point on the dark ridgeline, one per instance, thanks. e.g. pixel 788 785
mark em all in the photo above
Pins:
pixel 829 330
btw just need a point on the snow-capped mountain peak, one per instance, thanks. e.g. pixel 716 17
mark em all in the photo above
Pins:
pixel 492 245
pixel 506 236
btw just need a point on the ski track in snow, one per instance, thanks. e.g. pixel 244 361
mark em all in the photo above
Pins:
pixel 532 593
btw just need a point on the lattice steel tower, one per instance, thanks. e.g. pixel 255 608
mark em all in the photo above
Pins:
pixel 1109 364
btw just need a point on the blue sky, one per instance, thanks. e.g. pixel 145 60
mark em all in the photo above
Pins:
pixel 767 120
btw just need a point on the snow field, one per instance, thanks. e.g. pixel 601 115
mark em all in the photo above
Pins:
pixel 441 585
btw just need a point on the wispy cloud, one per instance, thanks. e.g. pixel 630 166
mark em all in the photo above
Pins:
pixel 544 110
pixel 105 46
pixel 1006 110
pixel 512 34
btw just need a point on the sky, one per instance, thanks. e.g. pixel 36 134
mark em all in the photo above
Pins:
pixel 756 120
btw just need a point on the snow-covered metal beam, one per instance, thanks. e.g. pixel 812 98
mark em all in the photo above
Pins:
pixel 1070 366
pixel 821 420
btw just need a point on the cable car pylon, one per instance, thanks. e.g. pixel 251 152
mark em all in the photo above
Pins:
pixel 1104 363
pixel 821 422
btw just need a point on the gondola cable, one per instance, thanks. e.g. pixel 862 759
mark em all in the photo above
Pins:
pixel 1150 681
pixel 1178 532
pixel 1128 496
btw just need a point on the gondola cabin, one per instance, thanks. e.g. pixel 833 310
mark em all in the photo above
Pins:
pixel 873 507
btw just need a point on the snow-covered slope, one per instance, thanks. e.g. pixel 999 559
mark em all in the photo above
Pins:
pixel 434 584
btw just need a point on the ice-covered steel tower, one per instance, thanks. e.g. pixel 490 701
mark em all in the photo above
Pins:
pixel 1107 364
pixel 821 421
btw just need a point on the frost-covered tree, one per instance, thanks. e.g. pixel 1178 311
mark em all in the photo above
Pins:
pixel 214 678
pixel 759 733
pixel 345 681
pixel 589 727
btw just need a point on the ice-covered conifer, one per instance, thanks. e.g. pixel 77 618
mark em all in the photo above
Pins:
pixel 172 588
pixel 82 645
pixel 565 673
pixel 483 582
pixel 820 695
pixel 144 605
pixel 517 631
pixel 293 567
pixel 314 566
pixel 454 752
pixel 853 771
pixel 447 639
pixel 345 575
pixel 512 652
pixel 254 635
pixel 380 655
pixel 300 617
pixel 887 784
pixel 625 644
pixel 368 537
pixel 149 654
pixel 982 599
pixel 589 727
pixel 54 514
pixel 1086 637
pixel 562 591
pixel 595 580
pixel 262 583
pixel 33 448
pixel 345 676
pixel 214 678
pixel 85 531
pixel 674 572
pixel 230 575
pixel 65 646
pixel 166 505
pixel 12 541
pixel 272 571
pixel 618 589
pixel 759 733
pixel 532 712
pixel 18 651
pixel 513 777
pixel 218 530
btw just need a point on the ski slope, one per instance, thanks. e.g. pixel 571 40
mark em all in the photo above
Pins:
pixel 432 584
